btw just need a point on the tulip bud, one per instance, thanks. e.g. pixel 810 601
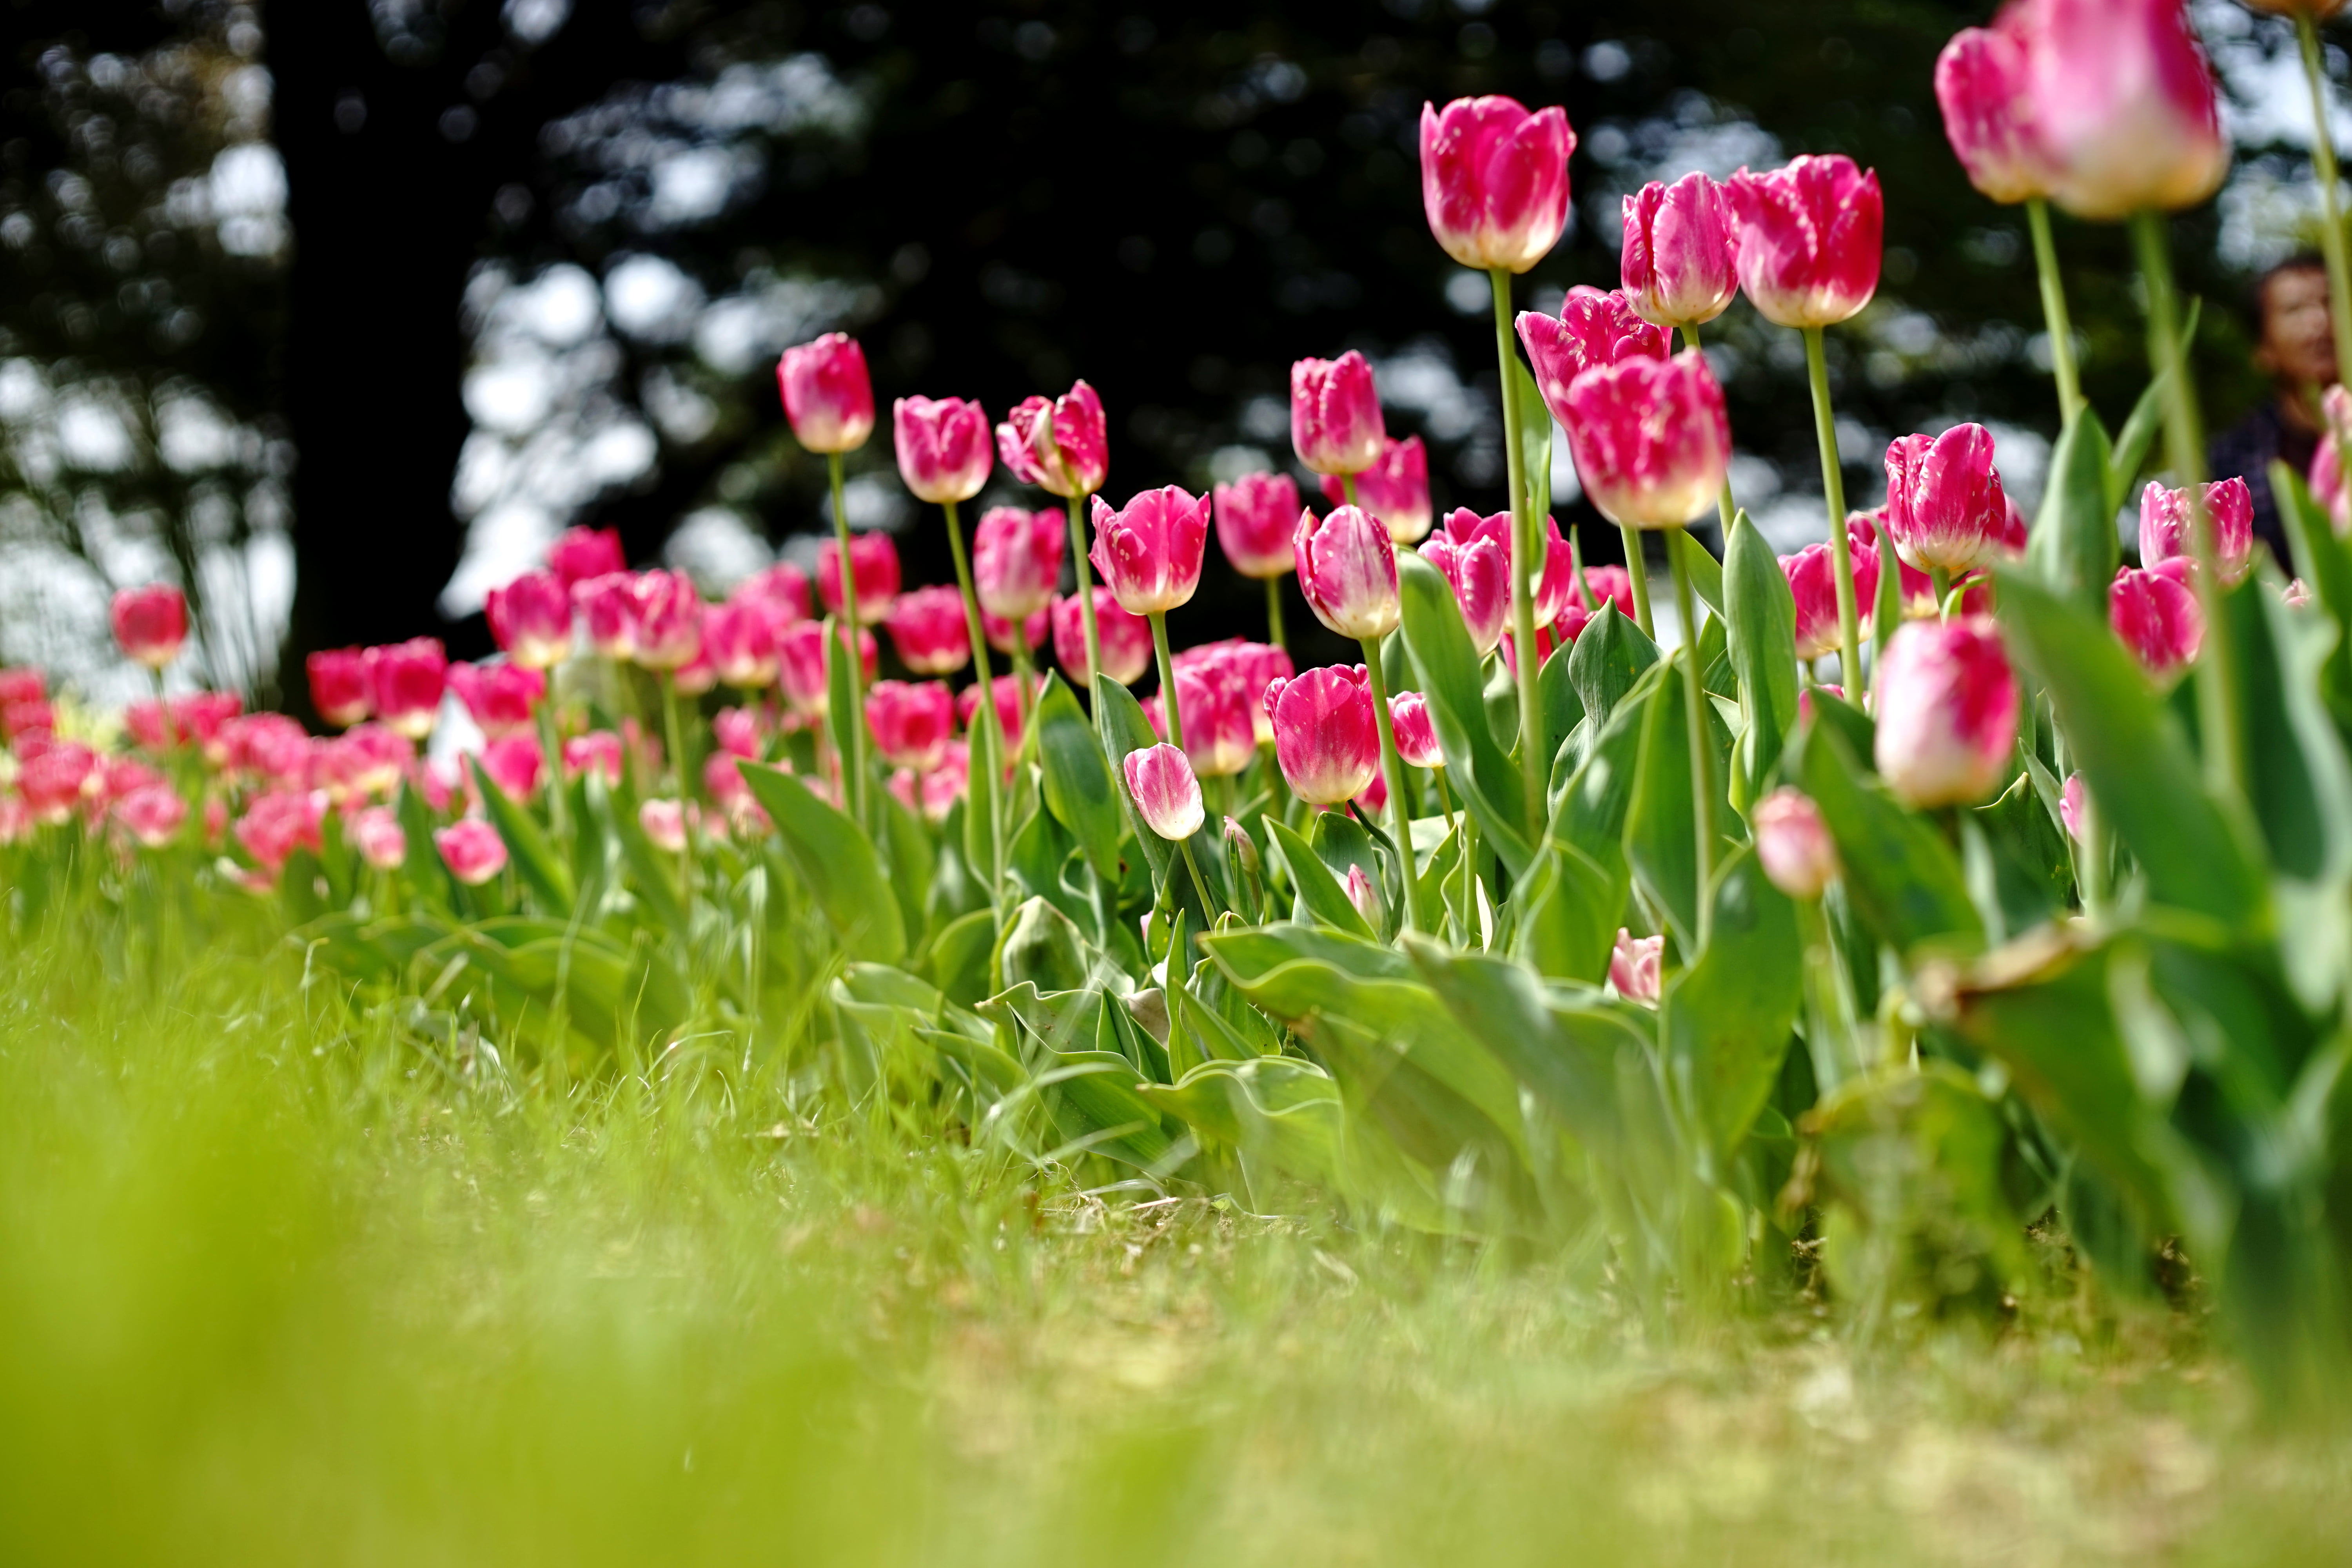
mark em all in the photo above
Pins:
pixel 531 620
pixel 1253 516
pixel 339 685
pixel 1006 691
pixel 1059 444
pixel 1347 568
pixel 2122 104
pixel 404 681
pixel 472 850
pixel 1493 180
pixel 382 842
pixel 1016 560
pixel 667 613
pixel 665 823
pixel 1335 415
pixel 598 750
pixel 1167 795
pixel 943 450
pixel 1365 894
pixel 1980 84
pixel 828 397
pixel 499 696
pixel 1793 844
pixel 929 629
pixel 150 623
pixel 1242 847
pixel 608 608
pixel 585 552
pixel 1812 583
pixel 2164 525
pixel 740 639
pixel 1325 737
pixel 782 589
pixel 1395 489
pixel 1633 965
pixel 1149 554
pixel 1416 737
pixel 1946 702
pixel 2071 801
pixel 2156 614
pixel 515 764
pixel 1809 239
pixel 911 721
pixel 1652 439
pixel 874 571
pixel 152 814
pixel 1944 502
pixel 1681 254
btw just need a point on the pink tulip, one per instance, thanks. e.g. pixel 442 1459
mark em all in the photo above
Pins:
pixel 1981 83
pixel 500 697
pixel 585 552
pixel 1633 966
pixel 1255 664
pixel 2121 102
pixel 1325 735
pixel 34 718
pixel 1416 737
pixel 668 614
pixel 2326 475
pixel 740 732
pixel 152 814
pixel 929 629
pixel 150 623
pixel 531 620
pixel 1946 701
pixel 910 720
pixel 1362 891
pixel 279 823
pixel 739 639
pixel 1061 445
pixel 608 608
pixel 2164 525
pixel 369 760
pixel 270 747
pixel 1812 583
pixel 53 775
pixel 943 450
pixel 722 778
pixel 472 850
pixel 339 685
pixel 1945 508
pixel 1609 585
pixel 1167 795
pixel 664 822
pixel 382 842
pixel 801 665
pixel 1348 570
pixel 1016 560
pixel 1594 331
pixel 1474 554
pixel 404 680
pixel 1126 638
pixel 1033 630
pixel 1793 844
pixel 1006 691
pixel 1335 415
pixel 941 788
pixel 1255 515
pixel 1681 254
pixel 697 675
pixel 1809 237
pixel 1652 439
pixel 2156 614
pixel 1220 733
pixel 828 397
pixel 783 588
pixel 874 571
pixel 1149 555
pixel 1395 489
pixel 598 750
pixel 1493 180
pixel 515 764
pixel 2071 802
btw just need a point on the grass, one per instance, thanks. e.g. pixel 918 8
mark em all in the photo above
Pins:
pixel 280 1281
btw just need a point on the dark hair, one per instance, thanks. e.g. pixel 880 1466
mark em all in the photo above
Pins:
pixel 2300 261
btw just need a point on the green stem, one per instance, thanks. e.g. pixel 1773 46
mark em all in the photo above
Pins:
pixel 1085 594
pixel 1637 572
pixel 1167 679
pixel 1526 562
pixel 1348 488
pixel 2091 861
pixel 677 732
pixel 1835 1057
pixel 2322 161
pixel 1274 613
pixel 2217 690
pixel 986 712
pixel 1817 372
pixel 854 764
pixel 1210 904
pixel 1941 582
pixel 1702 768
pixel 1416 918
pixel 1723 503
pixel 551 757
pixel 2054 310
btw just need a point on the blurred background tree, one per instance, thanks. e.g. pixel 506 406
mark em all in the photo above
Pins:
pixel 338 309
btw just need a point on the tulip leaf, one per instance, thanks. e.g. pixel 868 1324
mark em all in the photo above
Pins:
pixel 2323 560
pixel 843 718
pixel 984 803
pixel 1318 896
pixel 1590 813
pixel 1535 440
pixel 1761 625
pixel 1569 907
pixel 2134 757
pixel 1660 837
pixel 1079 789
pixel 542 868
pixel 422 869
pixel 1903 879
pixel 1119 717
pixel 1448 669
pixel 912 857
pixel 1727 1018
pixel 1706 572
pixel 652 873
pixel 835 861
pixel 1093 1094
pixel 959 955
pixel 2072 548
pixel 1562 708
pixel 1607 657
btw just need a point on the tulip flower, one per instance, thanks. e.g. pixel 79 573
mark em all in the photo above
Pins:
pixel 2164 526
pixel 339 685
pixel 1946 704
pixel 2156 614
pixel 530 619
pixel 1793 844
pixel 1810 239
pixel 585 552
pixel 2071 802
pixel 2121 103
pixel 26 685
pixel 382 842
pixel 1253 665
pixel 1416 737
pixel 1016 560
pixel 2326 476
pixel 404 681
pixel 1019 637
pixel 874 574
pixel 1945 510
pixel 1365 894
pixel 1981 87
pixel 1610 584
pixel 279 823
pixel 472 850
pixel 801 665
pixel 1061 444
pixel 668 612
pixel 1474 554
pixel 664 821
pixel 928 630
pixel 1167 796
pixel 150 623
pixel 1007 691
pixel 943 447
pixel 598 750
pixel 270 747
pixel 1148 552
pixel 933 793
pixel 1812 583
pixel 369 760
pixel 1681 252
pixel 608 607
pixel 1125 638
pixel 739 639
pixel 1594 331
pixel 1633 966
pixel 827 396
pixel 1394 489
pixel 1325 737
pixel 1651 438
pixel 1347 568
pixel 1494 181
pixel 500 697
pixel 1255 516
pixel 515 764
pixel 152 814
pixel 1335 415
pixel 52 777
pixel 912 720
pixel 782 589
pixel 1219 731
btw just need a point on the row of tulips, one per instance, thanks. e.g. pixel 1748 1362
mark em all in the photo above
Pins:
pixel 1520 925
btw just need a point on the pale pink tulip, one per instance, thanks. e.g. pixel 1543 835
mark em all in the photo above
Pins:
pixel 1255 515
pixel 1166 793
pixel 1793 844
pixel 2122 104
pixel 1347 568
pixel 1634 964
pixel 1946 702
pixel 472 850
pixel 376 831
pixel 1981 86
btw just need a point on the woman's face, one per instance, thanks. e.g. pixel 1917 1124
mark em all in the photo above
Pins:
pixel 2298 344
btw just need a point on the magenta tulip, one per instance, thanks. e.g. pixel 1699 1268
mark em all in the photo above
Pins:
pixel 1493 180
pixel 1016 560
pixel 405 682
pixel 2122 104
pixel 929 629
pixel 783 588
pixel 1609 585
pixel 874 569
pixel 668 612
pixel 1594 331
pixel 339 685
pixel 911 721
pixel 1793 844
pixel 828 397
pixel 1633 966
pixel 1809 239
pixel 1148 551
pixel 585 552
pixel 530 619
pixel 1680 262
pixel 1981 85
pixel 1812 583
pixel 1335 415
pixel 800 670
pixel 1255 515
pixel 499 696
pixel 1060 444
pixel 1167 796
pixel 1651 437
pixel 1325 735
pixel 1348 570
pixel 2164 525
pixel 598 751
pixel 1945 508
pixel 1006 691
pixel 2156 614
pixel 472 850
pixel 1126 638
pixel 1946 702
pixel 1220 724
pixel 515 764
pixel 1254 666
pixel 2326 477
pixel 382 842
pixel 1395 489
pixel 1476 561
pixel 1033 630
pixel 150 623
pixel 740 637
pixel 943 447
pixel 1416 737
pixel 608 610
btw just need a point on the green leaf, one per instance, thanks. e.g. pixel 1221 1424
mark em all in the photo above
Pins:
pixel 913 858
pixel 843 717
pixel 1706 574
pixel 1450 682
pixel 2026 871
pixel 1044 947
pixel 1569 908
pixel 1761 625
pixel 421 870
pixel 2071 547
pixel 1095 1095
pixel 1661 839
pixel 1320 898
pixel 1563 708
pixel 959 955
pixel 836 863
pixel 1591 811
pixel 984 797
pixel 2323 559
pixel 1535 439
pixel 1119 717
pixel 1727 1019
pixel 1607 657
pixel 1079 789
pixel 652 873
pixel 1903 879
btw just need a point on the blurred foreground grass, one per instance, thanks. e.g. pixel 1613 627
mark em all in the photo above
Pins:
pixel 280 1284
